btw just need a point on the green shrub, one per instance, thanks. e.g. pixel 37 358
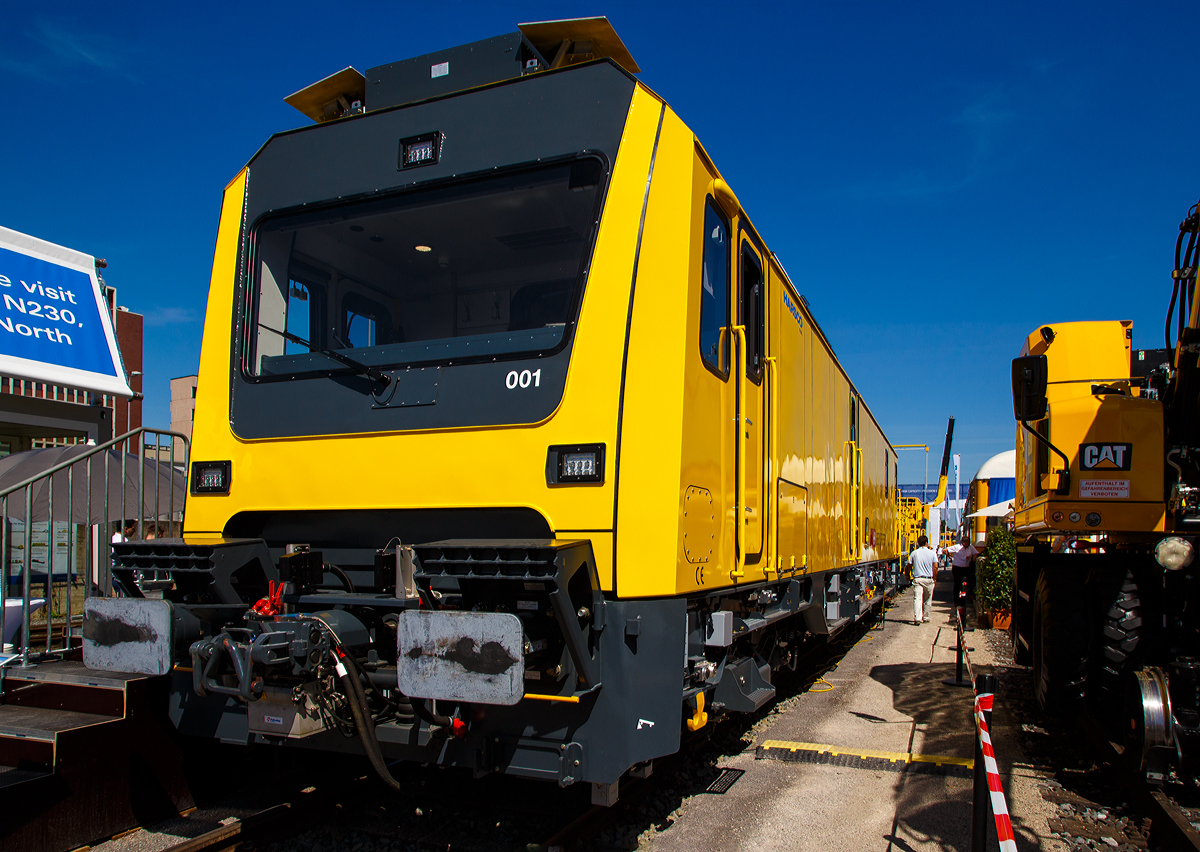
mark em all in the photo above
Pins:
pixel 994 570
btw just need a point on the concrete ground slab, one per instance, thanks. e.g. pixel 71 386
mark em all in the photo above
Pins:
pixel 887 696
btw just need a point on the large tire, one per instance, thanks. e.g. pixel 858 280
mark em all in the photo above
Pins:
pixel 1060 641
pixel 1022 656
pixel 1120 638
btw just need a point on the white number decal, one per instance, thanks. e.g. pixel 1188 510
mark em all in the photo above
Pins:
pixel 523 379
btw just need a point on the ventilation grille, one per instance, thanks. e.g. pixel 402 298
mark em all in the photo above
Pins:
pixel 162 555
pixel 456 559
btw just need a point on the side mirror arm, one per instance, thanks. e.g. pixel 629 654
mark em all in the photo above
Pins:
pixel 1064 476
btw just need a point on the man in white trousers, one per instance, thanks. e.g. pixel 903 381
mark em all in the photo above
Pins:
pixel 924 564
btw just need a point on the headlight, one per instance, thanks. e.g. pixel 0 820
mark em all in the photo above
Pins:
pixel 211 477
pixel 1174 553
pixel 567 464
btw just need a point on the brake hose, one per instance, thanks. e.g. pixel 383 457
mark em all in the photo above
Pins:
pixel 357 698
pixel 342 576
pixel 418 705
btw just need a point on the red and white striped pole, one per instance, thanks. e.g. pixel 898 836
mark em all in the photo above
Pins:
pixel 988 789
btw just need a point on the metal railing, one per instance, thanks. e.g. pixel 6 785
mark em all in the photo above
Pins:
pixel 77 498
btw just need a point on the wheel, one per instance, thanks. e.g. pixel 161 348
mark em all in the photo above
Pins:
pixel 1022 655
pixel 1122 631
pixel 1060 645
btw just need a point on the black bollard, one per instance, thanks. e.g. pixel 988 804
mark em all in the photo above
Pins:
pixel 958 669
pixel 981 807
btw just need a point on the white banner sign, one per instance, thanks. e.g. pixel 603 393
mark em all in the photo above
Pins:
pixel 1104 489
pixel 55 325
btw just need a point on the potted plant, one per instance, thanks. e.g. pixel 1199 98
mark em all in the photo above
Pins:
pixel 993 580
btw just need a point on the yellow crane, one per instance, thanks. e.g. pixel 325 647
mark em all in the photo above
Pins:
pixel 914 513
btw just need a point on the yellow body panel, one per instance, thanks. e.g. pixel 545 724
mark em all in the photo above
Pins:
pixel 667 513
pixel 651 436
pixel 1080 356
pixel 426 471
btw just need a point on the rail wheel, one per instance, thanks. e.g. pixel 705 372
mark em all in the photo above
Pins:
pixel 1060 645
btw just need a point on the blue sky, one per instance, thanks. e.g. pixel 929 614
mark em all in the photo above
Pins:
pixel 938 178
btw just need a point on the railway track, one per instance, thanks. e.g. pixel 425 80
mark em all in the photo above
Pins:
pixel 249 832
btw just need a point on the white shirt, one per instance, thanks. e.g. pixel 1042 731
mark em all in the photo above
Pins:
pixel 117 538
pixel 963 556
pixel 922 561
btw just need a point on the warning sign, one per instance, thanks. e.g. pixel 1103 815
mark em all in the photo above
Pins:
pixel 1104 489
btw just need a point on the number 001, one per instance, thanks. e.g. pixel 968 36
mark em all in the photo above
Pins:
pixel 523 379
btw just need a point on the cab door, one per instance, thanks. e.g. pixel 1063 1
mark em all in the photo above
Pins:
pixel 751 390
pixel 852 487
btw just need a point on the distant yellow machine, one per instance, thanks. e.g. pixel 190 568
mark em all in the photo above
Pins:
pixel 914 513
pixel 506 406
pixel 1107 507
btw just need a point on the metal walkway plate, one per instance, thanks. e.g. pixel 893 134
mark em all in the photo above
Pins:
pixel 10 776
pixel 73 672
pixel 40 723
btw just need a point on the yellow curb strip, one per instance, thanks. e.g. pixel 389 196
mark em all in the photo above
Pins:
pixel 894 756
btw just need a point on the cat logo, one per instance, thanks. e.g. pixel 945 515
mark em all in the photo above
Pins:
pixel 1105 456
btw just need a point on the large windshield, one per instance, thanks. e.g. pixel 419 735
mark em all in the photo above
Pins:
pixel 477 270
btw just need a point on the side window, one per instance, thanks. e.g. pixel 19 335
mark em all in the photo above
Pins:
pixel 714 291
pixel 365 322
pixel 750 311
pixel 300 306
pixel 360 330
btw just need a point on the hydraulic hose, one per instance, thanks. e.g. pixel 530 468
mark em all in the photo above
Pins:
pixel 418 705
pixel 342 576
pixel 348 674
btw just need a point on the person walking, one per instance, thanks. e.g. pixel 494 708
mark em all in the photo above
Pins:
pixel 962 564
pixel 924 564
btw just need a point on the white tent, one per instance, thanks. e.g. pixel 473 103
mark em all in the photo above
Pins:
pixel 996 510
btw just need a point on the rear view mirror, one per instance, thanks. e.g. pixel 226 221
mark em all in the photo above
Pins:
pixel 1029 387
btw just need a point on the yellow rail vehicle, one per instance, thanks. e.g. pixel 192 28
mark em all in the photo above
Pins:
pixel 519 440
pixel 1106 503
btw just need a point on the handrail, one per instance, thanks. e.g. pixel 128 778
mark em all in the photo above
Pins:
pixel 96 534
pixel 61 466
pixel 859 529
pixel 739 331
pixel 849 552
pixel 770 496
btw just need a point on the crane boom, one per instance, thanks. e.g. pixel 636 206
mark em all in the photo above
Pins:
pixel 941 492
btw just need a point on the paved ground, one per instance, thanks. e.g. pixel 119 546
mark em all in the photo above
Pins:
pixel 887 695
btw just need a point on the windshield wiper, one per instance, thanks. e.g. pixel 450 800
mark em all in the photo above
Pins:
pixel 360 368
